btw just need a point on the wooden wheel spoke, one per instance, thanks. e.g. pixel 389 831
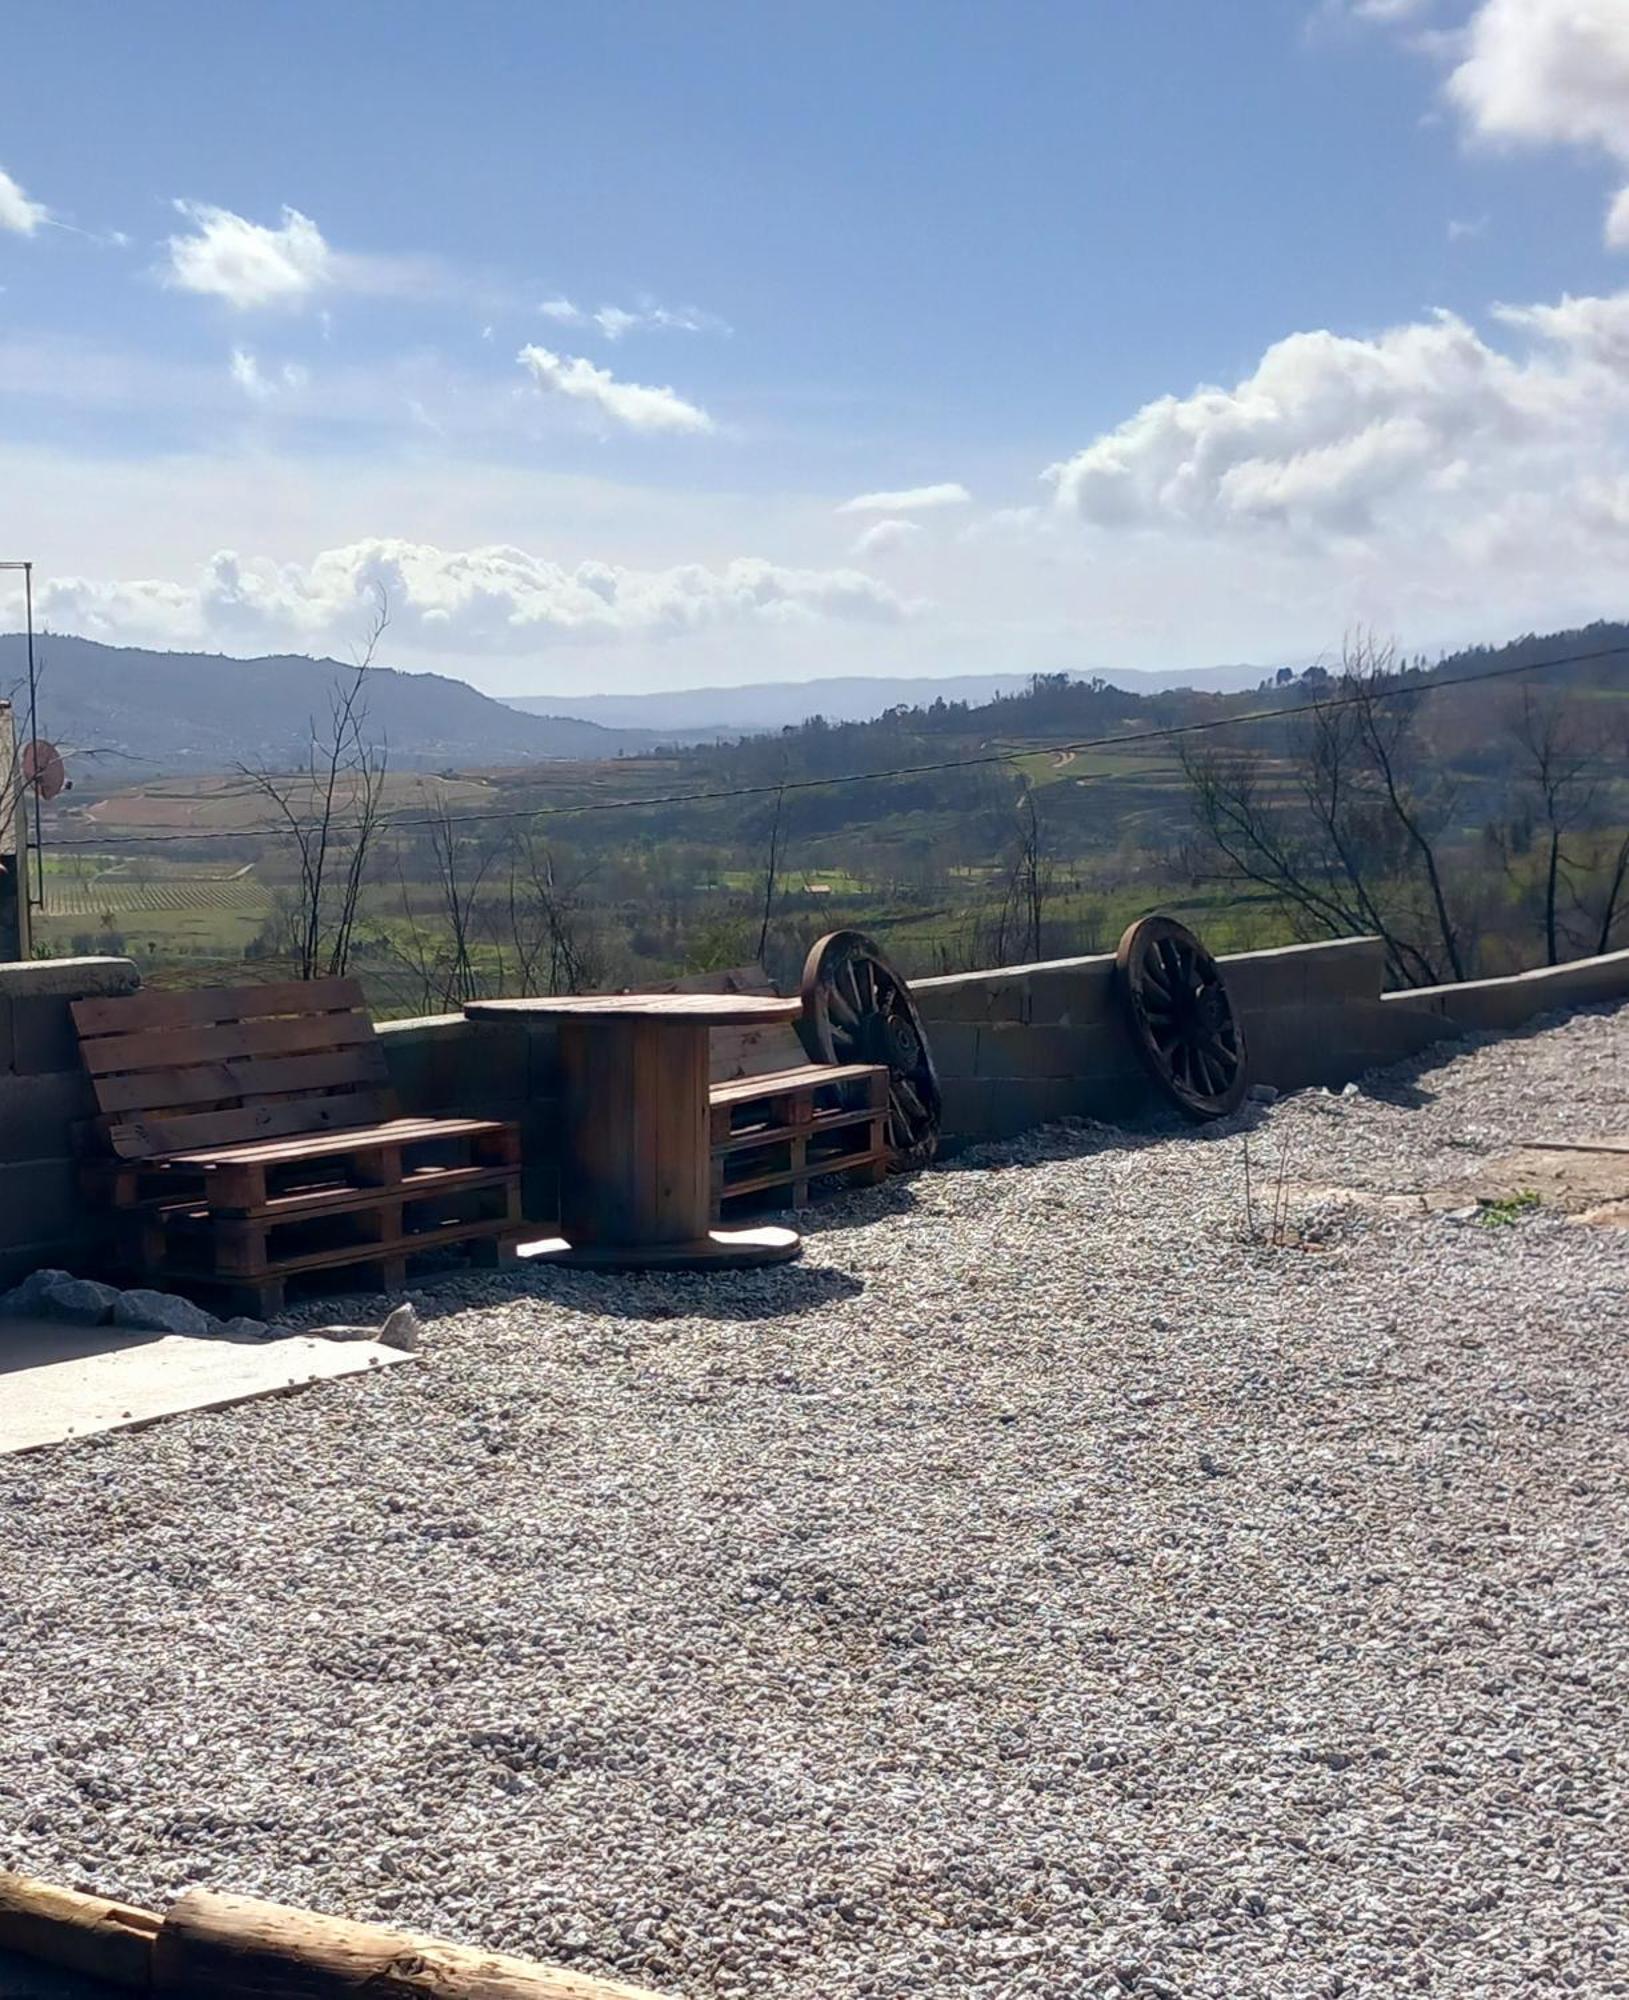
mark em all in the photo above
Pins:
pixel 856 1008
pixel 905 1091
pixel 1183 1026
pixel 841 1010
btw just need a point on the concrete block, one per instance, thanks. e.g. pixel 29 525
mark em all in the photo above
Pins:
pixel 40 1202
pixel 38 1113
pixel 981 1108
pixel 19 1260
pixel 1065 1054
pixel 1059 992
pixel 1496 1004
pixel 1296 1047
pixel 68 978
pixel 1287 975
pixel 43 1040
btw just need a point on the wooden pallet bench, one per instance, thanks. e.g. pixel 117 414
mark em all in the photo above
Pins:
pixel 249 1135
pixel 780 1122
pixel 784 1129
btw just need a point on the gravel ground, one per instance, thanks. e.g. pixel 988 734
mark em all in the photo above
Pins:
pixel 1046 1588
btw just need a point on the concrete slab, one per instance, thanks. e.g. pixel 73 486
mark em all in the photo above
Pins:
pixel 62 1382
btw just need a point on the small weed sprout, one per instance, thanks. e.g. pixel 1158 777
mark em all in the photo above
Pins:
pixel 1509 1209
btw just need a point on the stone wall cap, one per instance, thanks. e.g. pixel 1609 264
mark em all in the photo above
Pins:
pixel 68 978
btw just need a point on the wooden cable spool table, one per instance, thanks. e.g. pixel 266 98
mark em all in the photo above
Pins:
pixel 635 1182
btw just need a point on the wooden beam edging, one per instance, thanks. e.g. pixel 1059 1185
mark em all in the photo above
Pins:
pixel 238 1948
pixel 109 1941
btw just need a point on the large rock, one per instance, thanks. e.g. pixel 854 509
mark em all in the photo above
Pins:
pixel 23 1301
pixel 243 1328
pixel 402 1329
pixel 80 1301
pixel 162 1312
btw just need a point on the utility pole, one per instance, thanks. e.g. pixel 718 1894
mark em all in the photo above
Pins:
pixel 29 897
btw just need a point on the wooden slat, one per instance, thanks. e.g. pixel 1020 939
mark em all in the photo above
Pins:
pixel 337 1257
pixel 180 1048
pixel 811 1128
pixel 82 1934
pixel 157 1090
pixel 389 1132
pixel 749 1089
pixel 134 1011
pixel 215 1947
pixel 722 1010
pixel 806 1170
pixel 146 1138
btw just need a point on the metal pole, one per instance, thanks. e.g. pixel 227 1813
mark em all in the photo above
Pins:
pixel 36 894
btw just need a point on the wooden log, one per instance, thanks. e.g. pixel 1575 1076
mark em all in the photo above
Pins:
pixel 102 1940
pixel 236 1948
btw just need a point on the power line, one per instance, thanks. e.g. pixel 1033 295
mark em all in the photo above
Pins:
pixel 1168 732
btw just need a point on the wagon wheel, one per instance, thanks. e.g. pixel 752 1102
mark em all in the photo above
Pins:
pixel 1181 1019
pixel 857 1008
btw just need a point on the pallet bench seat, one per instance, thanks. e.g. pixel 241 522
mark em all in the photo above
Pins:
pixel 249 1135
pixel 785 1128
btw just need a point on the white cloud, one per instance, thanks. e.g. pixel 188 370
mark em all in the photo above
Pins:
pixel 17 212
pixel 254 382
pixel 1550 72
pixel 246 373
pixel 615 321
pixel 631 404
pixel 888 536
pixel 1333 434
pixel 908 500
pixel 482 600
pixel 247 264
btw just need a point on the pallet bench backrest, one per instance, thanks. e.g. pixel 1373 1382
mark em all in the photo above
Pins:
pixel 738 1052
pixel 177 1071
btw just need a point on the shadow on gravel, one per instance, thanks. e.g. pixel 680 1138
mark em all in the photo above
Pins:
pixel 781 1291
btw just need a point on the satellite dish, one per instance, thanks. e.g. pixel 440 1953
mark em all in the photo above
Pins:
pixel 43 769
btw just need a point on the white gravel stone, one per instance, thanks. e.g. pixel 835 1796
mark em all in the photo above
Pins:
pixel 1049 1587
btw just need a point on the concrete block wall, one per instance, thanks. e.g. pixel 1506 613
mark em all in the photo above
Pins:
pixel 1016 1047
pixel 44 1097
pixel 1029 1043
pixel 1022 1045
pixel 445 1065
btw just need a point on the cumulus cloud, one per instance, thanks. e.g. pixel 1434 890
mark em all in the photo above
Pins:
pixel 631 404
pixel 17 212
pixel 908 500
pixel 888 536
pixel 1550 72
pixel 483 600
pixel 246 263
pixel 1331 433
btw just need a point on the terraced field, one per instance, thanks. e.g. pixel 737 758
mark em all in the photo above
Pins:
pixel 125 896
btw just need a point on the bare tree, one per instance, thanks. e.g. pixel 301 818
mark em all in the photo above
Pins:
pixel 772 862
pixel 548 927
pixel 1343 828
pixel 1555 775
pixel 332 811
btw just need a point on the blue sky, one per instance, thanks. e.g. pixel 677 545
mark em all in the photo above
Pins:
pixel 1175 332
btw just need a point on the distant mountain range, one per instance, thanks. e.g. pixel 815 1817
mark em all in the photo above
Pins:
pixel 697 714
pixel 120 710
pixel 179 712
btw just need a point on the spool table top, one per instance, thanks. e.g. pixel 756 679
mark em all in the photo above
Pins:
pixel 696 1010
